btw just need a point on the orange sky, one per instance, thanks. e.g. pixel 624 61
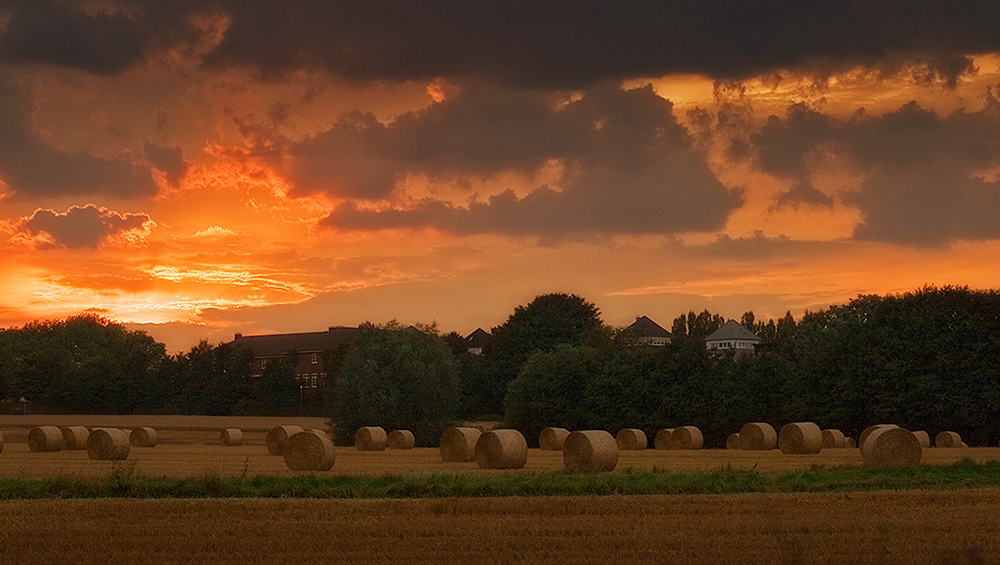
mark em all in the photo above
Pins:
pixel 201 187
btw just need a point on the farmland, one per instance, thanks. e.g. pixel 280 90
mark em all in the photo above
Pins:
pixel 955 526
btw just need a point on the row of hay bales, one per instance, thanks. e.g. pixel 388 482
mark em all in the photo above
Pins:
pixel 53 438
pixel 589 450
pixel 103 444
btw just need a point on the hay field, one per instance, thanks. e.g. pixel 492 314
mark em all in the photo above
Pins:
pixel 190 446
pixel 864 528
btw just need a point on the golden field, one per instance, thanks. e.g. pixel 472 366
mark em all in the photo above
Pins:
pixel 190 446
pixel 864 528
pixel 881 527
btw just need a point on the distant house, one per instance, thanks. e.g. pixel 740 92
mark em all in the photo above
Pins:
pixel 272 348
pixel 647 332
pixel 476 341
pixel 732 336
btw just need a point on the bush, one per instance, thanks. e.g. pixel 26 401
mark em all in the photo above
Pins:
pixel 396 379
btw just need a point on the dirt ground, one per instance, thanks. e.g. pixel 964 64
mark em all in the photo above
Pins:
pixel 863 528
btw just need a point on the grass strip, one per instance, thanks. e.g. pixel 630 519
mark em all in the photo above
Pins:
pixel 124 484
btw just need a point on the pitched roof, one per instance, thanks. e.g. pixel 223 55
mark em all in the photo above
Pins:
pixel 478 338
pixel 271 345
pixel 644 327
pixel 733 330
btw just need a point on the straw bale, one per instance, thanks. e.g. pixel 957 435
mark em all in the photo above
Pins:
pixel 108 444
pixel 590 451
pixel 964 444
pixel 552 439
pixel 231 437
pixel 501 449
pixel 143 437
pixel 631 439
pixel 870 429
pixel 924 437
pixel 370 438
pixel 662 438
pixel 733 441
pixel 948 439
pixel 891 446
pixel 686 437
pixel 850 443
pixel 277 436
pixel 800 438
pixel 834 439
pixel 400 439
pixel 75 437
pixel 309 450
pixel 45 438
pixel 758 436
pixel 459 444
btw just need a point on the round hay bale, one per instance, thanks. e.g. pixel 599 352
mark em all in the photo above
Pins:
pixel 45 438
pixel 501 449
pixel 924 438
pixel 800 438
pixel 867 431
pixel 370 438
pixel 947 439
pixel 75 437
pixel 231 437
pixel 552 439
pixel 733 442
pixel 143 437
pixel 309 450
pixel 277 436
pixel 590 451
pixel 459 444
pixel 891 446
pixel 400 439
pixel 631 439
pixel 108 444
pixel 758 436
pixel 662 438
pixel 834 439
pixel 686 437
pixel 850 443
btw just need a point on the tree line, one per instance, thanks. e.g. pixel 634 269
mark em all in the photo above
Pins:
pixel 925 359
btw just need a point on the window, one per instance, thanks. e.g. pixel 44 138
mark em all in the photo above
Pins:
pixel 315 359
pixel 315 381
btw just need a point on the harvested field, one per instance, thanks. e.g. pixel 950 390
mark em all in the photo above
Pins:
pixel 182 454
pixel 864 528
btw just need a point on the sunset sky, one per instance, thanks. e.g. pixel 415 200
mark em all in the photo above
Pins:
pixel 196 168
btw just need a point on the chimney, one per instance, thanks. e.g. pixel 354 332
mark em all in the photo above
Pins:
pixel 237 336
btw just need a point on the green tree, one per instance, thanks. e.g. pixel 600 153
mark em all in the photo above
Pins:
pixel 550 390
pixel 280 393
pixel 86 364
pixel 396 378
pixel 210 380
pixel 546 322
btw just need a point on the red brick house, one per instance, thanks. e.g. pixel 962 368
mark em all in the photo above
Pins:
pixel 272 348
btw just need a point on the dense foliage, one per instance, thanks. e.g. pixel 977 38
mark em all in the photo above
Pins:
pixel 396 378
pixel 924 360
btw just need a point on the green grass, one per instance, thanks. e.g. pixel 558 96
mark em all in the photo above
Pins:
pixel 124 483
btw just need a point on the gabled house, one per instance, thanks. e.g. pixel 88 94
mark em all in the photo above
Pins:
pixel 647 332
pixel 477 341
pixel 732 336
pixel 272 348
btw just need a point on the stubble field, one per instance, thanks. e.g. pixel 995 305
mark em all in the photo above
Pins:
pixel 881 527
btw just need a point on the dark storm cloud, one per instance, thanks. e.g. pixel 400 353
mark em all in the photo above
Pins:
pixel 33 169
pixel 629 165
pixel 169 160
pixel 928 179
pixel 88 226
pixel 559 43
